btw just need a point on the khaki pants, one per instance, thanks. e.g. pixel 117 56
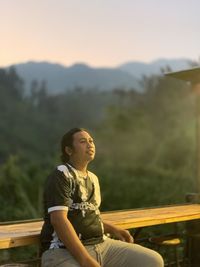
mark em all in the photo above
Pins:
pixel 110 253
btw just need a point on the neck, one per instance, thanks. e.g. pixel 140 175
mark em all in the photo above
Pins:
pixel 82 167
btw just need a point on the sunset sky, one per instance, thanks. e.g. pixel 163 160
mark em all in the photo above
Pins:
pixel 98 32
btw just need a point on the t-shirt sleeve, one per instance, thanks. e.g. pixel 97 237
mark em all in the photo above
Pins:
pixel 58 192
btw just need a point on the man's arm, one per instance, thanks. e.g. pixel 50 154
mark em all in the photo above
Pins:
pixel 68 236
pixel 117 232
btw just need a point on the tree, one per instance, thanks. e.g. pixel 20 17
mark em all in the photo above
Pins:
pixel 14 196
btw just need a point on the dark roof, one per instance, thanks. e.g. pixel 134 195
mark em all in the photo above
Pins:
pixel 190 75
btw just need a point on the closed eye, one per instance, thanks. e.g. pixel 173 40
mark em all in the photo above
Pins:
pixel 83 140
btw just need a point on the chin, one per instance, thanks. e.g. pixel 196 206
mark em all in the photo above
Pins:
pixel 90 158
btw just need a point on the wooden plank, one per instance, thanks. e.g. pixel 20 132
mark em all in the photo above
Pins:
pixel 20 234
pixel 19 241
pixel 27 233
pixel 148 217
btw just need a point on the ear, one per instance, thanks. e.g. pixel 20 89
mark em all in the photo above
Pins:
pixel 68 150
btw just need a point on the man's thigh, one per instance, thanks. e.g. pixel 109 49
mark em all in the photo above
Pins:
pixel 62 258
pixel 58 257
pixel 122 254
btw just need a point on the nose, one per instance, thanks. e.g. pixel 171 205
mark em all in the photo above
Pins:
pixel 90 144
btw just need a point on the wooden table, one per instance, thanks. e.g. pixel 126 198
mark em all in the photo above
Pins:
pixel 27 232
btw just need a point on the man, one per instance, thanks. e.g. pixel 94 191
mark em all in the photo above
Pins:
pixel 73 233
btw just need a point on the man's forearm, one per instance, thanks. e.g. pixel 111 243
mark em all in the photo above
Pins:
pixel 109 228
pixel 68 236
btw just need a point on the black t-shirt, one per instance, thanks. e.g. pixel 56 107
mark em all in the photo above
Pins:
pixel 66 190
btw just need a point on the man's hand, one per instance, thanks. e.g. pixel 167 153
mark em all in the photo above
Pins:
pixel 123 235
pixel 118 232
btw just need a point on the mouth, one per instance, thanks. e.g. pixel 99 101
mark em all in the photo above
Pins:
pixel 90 152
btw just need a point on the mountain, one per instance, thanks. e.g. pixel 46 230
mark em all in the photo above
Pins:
pixel 140 68
pixel 60 78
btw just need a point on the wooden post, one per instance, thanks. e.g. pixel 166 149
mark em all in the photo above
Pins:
pixel 193 235
pixel 196 90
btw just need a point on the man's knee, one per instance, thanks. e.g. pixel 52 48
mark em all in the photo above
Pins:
pixel 147 257
pixel 155 260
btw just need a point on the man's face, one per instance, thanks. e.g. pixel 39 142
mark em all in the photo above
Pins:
pixel 83 149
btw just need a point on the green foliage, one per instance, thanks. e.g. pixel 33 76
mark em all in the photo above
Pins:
pixel 13 183
pixel 145 142
pixel 147 147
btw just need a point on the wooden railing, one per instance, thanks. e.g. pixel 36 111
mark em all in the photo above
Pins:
pixel 27 232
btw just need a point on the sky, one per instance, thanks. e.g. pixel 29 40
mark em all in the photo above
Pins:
pixel 100 33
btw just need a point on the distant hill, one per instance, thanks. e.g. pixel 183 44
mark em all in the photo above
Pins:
pixel 60 78
pixel 140 68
